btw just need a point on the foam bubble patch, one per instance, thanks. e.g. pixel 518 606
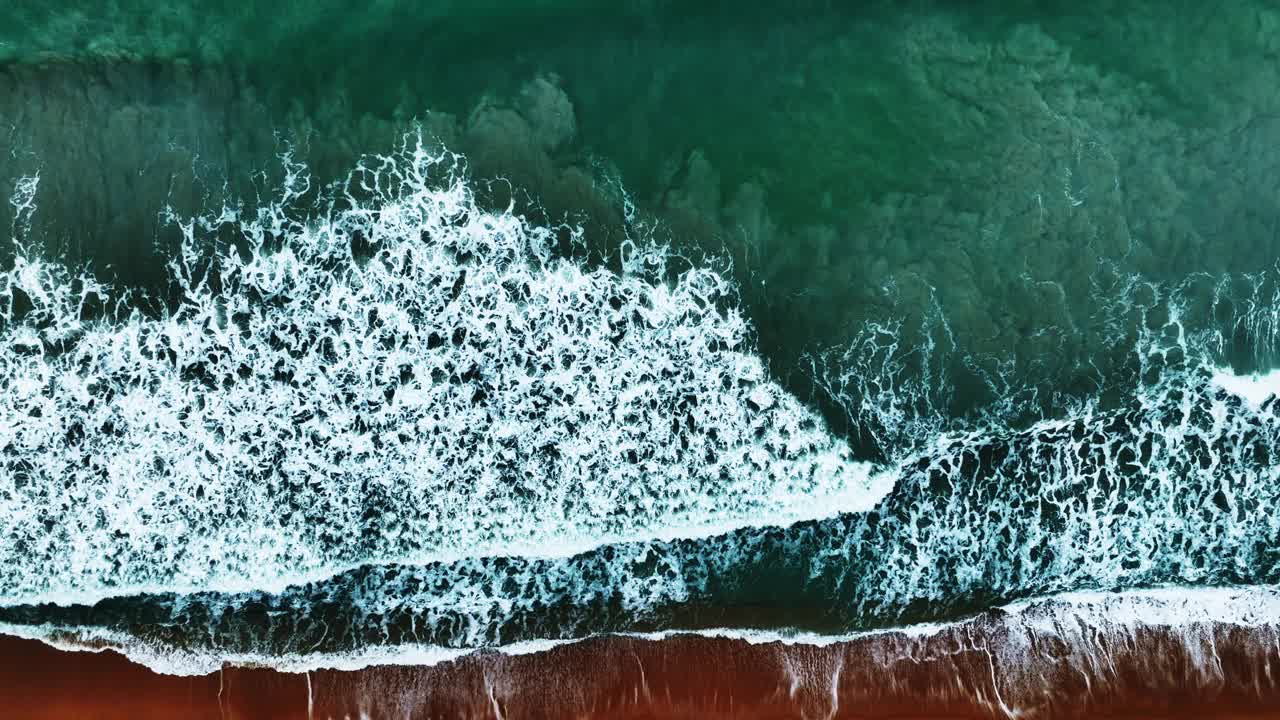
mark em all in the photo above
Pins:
pixel 393 374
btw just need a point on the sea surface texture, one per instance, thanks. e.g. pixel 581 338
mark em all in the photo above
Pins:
pixel 550 358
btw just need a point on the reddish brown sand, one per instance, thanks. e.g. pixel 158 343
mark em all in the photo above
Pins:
pixel 990 666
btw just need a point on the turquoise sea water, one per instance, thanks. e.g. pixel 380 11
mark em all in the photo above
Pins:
pixel 490 320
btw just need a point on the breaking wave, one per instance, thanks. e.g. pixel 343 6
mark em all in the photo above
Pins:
pixel 1077 627
pixel 390 374
pixel 381 419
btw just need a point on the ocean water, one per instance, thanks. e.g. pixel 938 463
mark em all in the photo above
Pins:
pixel 421 328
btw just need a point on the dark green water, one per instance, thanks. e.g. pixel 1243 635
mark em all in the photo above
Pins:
pixel 1009 163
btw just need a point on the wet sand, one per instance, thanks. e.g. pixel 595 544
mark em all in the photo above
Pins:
pixel 1041 663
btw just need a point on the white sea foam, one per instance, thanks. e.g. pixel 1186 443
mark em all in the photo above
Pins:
pixel 409 380
pixel 1172 484
pixel 1253 388
pixel 1177 608
pixel 457 391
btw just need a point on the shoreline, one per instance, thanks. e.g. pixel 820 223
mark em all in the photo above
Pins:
pixel 1075 656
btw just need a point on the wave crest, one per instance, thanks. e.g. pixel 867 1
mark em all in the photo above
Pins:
pixel 392 373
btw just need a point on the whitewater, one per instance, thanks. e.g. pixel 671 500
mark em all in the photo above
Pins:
pixel 1080 619
pixel 382 424
pixel 458 392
